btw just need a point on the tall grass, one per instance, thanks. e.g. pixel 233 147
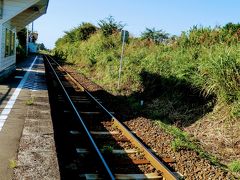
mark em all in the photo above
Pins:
pixel 206 58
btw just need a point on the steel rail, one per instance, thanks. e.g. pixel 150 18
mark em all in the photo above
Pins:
pixel 109 173
pixel 167 173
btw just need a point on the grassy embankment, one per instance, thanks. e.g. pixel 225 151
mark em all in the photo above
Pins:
pixel 180 80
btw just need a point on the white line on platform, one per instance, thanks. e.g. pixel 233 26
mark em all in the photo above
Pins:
pixel 6 111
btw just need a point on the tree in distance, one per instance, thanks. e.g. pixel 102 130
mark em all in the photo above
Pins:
pixel 109 26
pixel 153 35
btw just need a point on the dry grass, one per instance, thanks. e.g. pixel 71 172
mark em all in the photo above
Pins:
pixel 218 135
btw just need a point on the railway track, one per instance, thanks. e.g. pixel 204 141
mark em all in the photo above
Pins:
pixel 101 147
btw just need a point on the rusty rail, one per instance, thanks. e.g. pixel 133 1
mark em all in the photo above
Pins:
pixel 106 167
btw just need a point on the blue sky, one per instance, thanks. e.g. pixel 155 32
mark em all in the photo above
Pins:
pixel 173 16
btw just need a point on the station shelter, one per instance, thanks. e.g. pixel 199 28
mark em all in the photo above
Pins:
pixel 14 16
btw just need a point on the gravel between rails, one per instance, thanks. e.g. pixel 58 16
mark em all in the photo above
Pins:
pixel 188 162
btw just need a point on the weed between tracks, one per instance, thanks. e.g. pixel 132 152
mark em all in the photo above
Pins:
pixel 107 149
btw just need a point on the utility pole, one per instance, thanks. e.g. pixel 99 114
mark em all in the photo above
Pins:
pixel 124 36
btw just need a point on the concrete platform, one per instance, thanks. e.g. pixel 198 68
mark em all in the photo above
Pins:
pixel 27 147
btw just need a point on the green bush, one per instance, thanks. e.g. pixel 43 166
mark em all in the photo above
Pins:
pixel 220 69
